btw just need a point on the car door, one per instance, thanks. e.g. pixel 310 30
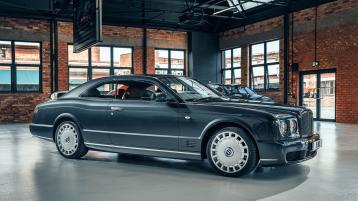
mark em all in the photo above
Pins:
pixel 143 123
pixel 93 114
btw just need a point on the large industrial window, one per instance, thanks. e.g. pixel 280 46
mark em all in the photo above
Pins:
pixel 170 62
pixel 231 66
pixel 20 66
pixel 97 62
pixel 264 65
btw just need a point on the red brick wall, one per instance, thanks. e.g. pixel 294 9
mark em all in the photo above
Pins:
pixel 19 107
pixel 337 48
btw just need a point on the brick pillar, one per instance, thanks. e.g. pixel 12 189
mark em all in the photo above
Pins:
pixel 245 65
pixel 150 60
pixel 62 66
pixel 137 60
pixel 46 80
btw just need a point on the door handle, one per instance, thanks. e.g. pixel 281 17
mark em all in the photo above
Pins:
pixel 114 108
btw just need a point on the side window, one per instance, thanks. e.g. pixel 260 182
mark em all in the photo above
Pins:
pixel 106 90
pixel 143 91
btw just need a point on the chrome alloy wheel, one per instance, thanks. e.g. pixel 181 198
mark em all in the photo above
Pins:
pixel 229 152
pixel 67 139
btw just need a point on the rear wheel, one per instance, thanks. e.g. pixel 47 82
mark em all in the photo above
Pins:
pixel 69 141
pixel 231 152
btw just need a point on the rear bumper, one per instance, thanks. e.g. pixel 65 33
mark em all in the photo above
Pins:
pixel 283 153
pixel 43 131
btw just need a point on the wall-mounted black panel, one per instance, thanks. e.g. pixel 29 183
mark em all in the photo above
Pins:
pixel 204 56
pixel 87 24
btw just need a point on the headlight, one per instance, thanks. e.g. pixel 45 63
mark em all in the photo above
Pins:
pixel 293 125
pixel 288 127
pixel 283 127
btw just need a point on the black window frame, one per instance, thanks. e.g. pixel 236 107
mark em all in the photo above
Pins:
pixel 111 67
pixel 265 65
pixel 169 69
pixel 13 66
pixel 232 68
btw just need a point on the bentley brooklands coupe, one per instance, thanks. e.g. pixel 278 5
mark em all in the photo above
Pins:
pixel 175 117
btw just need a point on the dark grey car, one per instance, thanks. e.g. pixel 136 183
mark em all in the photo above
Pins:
pixel 169 116
pixel 236 91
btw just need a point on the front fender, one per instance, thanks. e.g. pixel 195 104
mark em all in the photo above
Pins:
pixel 217 122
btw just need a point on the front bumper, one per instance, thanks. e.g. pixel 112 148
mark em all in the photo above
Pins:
pixel 290 152
pixel 42 131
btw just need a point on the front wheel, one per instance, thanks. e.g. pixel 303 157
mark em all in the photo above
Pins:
pixel 231 152
pixel 69 141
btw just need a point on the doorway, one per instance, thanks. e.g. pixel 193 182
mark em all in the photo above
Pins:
pixel 318 93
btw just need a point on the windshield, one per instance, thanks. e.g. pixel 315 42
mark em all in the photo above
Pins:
pixel 252 93
pixel 189 89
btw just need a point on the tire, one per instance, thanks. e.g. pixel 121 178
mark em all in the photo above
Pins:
pixel 231 152
pixel 69 141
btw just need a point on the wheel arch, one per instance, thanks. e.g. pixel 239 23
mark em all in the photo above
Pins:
pixel 61 118
pixel 215 125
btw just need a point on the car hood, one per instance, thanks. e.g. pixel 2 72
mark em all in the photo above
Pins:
pixel 270 107
pixel 260 97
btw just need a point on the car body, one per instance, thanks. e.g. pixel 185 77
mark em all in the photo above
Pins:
pixel 175 117
pixel 237 91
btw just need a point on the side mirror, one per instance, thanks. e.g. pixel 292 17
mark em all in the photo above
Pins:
pixel 161 97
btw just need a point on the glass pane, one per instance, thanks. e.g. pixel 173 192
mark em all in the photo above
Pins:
pixel 258 77
pixel 273 51
pixel 227 76
pixel 77 59
pixel 257 54
pixel 274 76
pixel 237 76
pixel 98 73
pixel 122 57
pixel 5 52
pixel 237 57
pixel 177 72
pixel 310 93
pixel 161 58
pixel 227 61
pixel 107 90
pixel 101 56
pixel 161 72
pixel 77 76
pixel 177 59
pixel 27 53
pixel 5 78
pixel 328 96
pixel 27 78
pixel 122 71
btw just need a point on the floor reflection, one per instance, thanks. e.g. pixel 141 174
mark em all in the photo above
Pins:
pixel 31 169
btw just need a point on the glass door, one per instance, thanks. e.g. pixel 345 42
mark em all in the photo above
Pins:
pixel 327 97
pixel 318 93
pixel 310 93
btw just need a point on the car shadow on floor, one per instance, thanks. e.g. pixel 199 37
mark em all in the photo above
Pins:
pixel 151 174
pixel 199 167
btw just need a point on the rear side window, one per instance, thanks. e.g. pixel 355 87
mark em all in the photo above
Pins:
pixel 126 90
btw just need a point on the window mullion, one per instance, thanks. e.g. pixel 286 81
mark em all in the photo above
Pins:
pixel 169 62
pixel 13 68
pixel 89 68
pixel 232 66
pixel 111 70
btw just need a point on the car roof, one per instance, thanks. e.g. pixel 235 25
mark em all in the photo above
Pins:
pixel 77 91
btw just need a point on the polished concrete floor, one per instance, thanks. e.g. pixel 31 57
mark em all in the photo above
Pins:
pixel 31 169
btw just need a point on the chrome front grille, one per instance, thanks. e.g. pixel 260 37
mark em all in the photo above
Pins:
pixel 306 124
